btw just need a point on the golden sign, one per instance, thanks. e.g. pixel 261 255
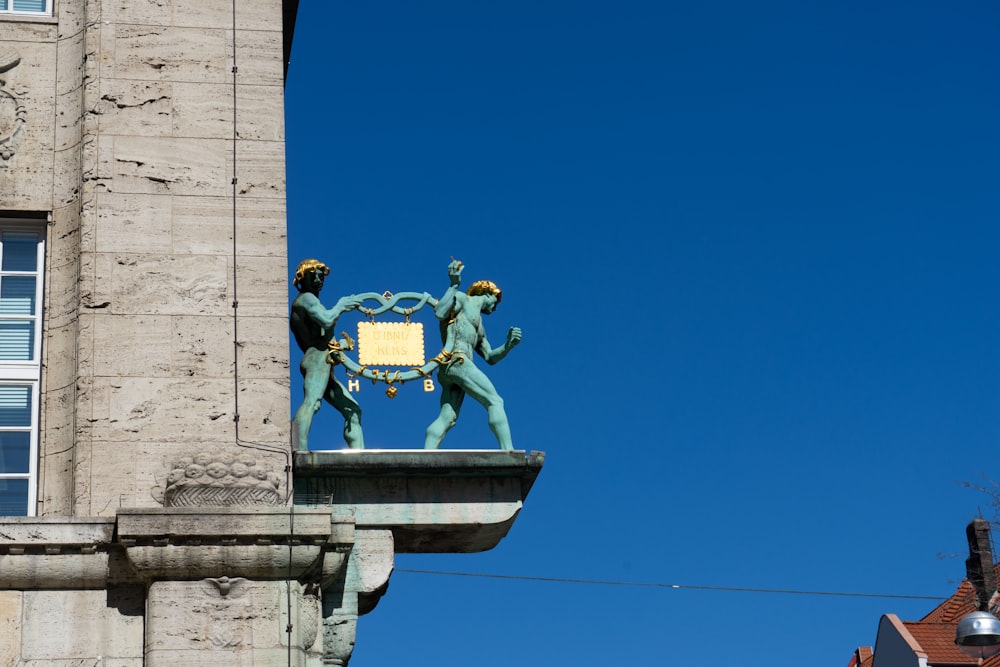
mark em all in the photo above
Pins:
pixel 390 343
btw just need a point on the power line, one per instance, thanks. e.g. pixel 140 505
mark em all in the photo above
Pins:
pixel 737 589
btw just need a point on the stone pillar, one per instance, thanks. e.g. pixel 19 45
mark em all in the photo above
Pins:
pixel 234 587
pixel 405 501
pixel 355 591
pixel 219 621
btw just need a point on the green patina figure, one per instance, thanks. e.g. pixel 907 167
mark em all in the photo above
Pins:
pixel 463 333
pixel 312 324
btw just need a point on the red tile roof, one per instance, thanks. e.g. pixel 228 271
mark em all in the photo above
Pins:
pixel 935 632
pixel 862 657
pixel 938 641
pixel 955 607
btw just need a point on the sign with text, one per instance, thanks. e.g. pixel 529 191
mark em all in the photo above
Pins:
pixel 391 344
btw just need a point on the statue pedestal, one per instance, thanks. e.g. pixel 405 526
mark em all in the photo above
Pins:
pixel 432 501
pixel 407 501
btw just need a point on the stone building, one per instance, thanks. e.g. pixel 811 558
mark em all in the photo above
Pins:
pixel 146 475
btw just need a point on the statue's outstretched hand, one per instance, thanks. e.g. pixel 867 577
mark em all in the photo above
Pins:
pixel 455 272
pixel 513 336
pixel 348 303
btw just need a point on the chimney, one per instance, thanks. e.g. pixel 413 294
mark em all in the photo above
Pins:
pixel 979 564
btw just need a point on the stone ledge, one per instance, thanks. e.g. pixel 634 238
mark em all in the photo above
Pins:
pixel 255 542
pixel 235 524
pixel 64 532
pixel 47 552
pixel 439 501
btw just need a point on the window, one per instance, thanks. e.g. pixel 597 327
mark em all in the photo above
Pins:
pixel 22 255
pixel 43 7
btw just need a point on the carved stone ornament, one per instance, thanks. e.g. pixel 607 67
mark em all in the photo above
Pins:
pixel 221 479
pixel 309 618
pixel 12 111
pixel 225 627
pixel 339 634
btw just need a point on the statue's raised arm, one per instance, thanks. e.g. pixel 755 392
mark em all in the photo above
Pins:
pixel 447 302
pixel 464 335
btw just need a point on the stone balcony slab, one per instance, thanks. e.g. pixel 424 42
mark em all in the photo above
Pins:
pixel 436 501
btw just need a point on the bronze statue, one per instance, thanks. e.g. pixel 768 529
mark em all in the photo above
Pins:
pixel 312 324
pixel 458 375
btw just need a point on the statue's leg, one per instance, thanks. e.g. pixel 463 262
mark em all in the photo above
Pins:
pixel 340 398
pixel 477 385
pixel 314 384
pixel 451 404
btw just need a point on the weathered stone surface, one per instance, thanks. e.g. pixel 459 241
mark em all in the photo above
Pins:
pixel 56 571
pixel 143 108
pixel 260 292
pixel 54 553
pixel 250 14
pixel 168 53
pixel 27 31
pixel 66 532
pixel 178 410
pixel 189 346
pixel 142 12
pixel 259 168
pixel 202 346
pixel 258 356
pixel 260 56
pixel 310 523
pixel 203 110
pixel 56 449
pixel 168 165
pixel 10 626
pixel 204 225
pixel 134 223
pixel 132 345
pixel 264 411
pixel 372 560
pixel 51 629
pixel 168 284
pixel 260 115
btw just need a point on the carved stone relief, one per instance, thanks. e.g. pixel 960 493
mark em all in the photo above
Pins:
pixel 226 611
pixel 339 634
pixel 219 478
pixel 13 113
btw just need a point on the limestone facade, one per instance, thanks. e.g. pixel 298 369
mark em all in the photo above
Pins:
pixel 145 140
pixel 131 134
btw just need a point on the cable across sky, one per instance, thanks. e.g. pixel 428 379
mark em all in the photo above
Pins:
pixel 735 589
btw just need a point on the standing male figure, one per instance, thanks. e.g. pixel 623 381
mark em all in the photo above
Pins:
pixel 458 374
pixel 312 325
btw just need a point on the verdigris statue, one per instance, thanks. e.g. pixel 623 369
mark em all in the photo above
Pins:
pixel 312 325
pixel 463 333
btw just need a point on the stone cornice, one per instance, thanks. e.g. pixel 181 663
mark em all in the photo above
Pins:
pixel 149 544
pixel 254 542
pixel 433 501
pixel 51 553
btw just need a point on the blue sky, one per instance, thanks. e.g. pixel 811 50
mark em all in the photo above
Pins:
pixel 753 248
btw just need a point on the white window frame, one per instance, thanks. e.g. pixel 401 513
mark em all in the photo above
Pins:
pixel 27 373
pixel 7 9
